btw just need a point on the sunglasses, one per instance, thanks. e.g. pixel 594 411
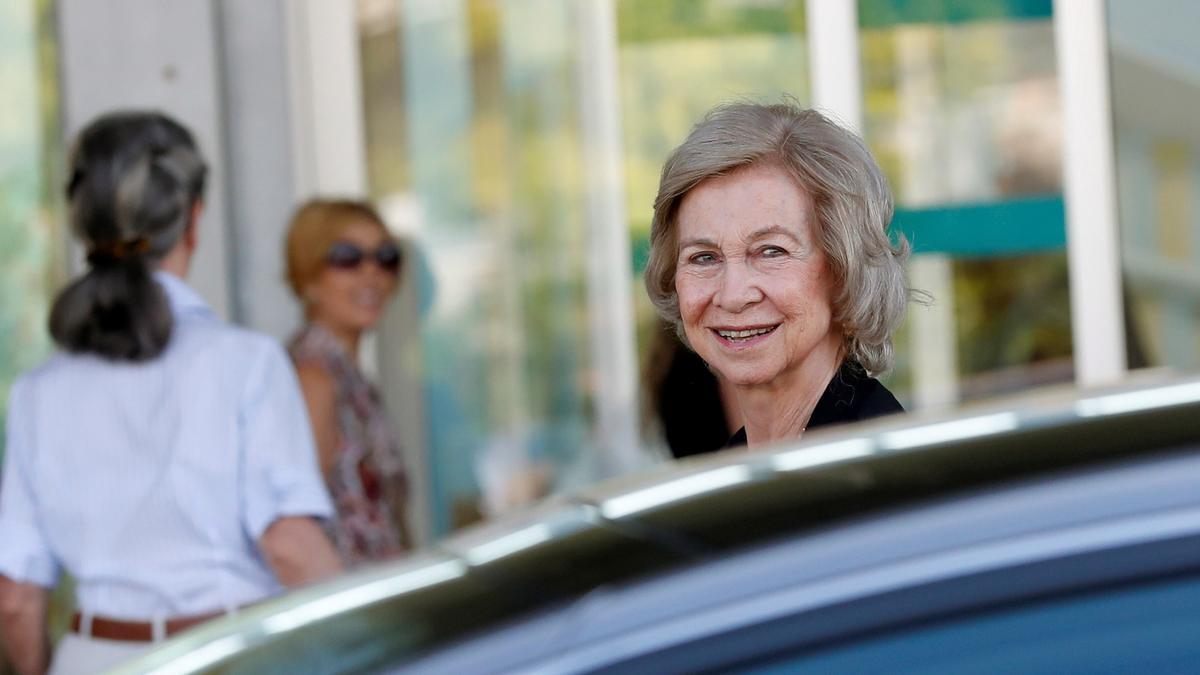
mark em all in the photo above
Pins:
pixel 346 256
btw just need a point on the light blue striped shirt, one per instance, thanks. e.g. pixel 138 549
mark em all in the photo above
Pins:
pixel 151 483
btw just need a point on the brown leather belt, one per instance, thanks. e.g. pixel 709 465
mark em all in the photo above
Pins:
pixel 137 631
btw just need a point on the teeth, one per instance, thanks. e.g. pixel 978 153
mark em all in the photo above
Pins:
pixel 743 334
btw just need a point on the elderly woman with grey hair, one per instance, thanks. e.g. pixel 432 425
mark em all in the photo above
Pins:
pixel 770 254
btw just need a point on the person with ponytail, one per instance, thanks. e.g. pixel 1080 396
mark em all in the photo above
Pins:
pixel 161 457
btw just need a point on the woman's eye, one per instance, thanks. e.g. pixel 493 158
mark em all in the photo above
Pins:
pixel 702 259
pixel 772 252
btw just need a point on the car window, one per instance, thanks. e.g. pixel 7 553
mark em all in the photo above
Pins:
pixel 1145 628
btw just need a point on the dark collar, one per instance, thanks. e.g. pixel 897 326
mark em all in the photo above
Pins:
pixel 850 396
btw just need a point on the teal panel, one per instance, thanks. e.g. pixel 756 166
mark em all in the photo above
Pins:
pixel 641 253
pixel 1013 227
pixel 884 13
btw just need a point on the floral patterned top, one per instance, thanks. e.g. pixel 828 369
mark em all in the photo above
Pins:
pixel 368 482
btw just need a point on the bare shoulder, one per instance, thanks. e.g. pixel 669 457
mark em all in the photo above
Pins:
pixel 316 381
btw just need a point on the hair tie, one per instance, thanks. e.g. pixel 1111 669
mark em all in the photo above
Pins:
pixel 117 251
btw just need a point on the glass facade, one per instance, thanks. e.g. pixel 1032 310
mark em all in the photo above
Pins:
pixel 678 58
pixel 476 151
pixel 32 236
pixel 1155 71
pixel 961 108
pixel 31 233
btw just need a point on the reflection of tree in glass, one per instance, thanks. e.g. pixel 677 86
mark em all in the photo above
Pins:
pixel 30 173
pixel 1025 319
pixel 961 107
pixel 31 234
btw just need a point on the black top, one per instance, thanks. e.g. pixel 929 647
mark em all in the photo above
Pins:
pixel 851 396
pixel 688 403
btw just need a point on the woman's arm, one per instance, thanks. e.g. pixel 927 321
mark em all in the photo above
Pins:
pixel 298 551
pixel 23 626
pixel 320 397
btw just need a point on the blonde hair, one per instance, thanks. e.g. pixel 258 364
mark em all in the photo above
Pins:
pixel 850 196
pixel 316 226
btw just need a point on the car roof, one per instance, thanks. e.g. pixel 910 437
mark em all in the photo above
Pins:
pixel 1030 541
pixel 679 514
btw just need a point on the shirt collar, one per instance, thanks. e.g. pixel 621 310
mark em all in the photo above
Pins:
pixel 183 298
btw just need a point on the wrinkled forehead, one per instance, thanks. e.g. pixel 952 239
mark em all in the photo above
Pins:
pixel 750 204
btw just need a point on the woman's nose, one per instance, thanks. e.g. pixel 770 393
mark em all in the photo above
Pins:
pixel 738 287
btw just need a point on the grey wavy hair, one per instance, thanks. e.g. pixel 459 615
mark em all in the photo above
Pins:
pixel 850 196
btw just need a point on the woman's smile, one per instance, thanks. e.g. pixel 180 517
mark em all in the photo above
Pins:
pixel 743 338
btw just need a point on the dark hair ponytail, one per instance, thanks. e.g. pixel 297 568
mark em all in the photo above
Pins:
pixel 135 177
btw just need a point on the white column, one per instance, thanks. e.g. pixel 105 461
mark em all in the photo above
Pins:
pixel 1097 313
pixel 834 60
pixel 262 191
pixel 326 86
pixel 160 55
pixel 933 344
pixel 610 273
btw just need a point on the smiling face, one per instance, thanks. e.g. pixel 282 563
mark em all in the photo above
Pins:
pixel 753 285
pixel 352 300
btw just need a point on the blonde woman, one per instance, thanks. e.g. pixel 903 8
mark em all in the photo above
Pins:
pixel 344 267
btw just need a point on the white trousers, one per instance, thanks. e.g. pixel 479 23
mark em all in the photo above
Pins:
pixel 78 655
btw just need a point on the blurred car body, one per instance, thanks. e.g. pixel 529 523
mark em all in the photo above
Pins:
pixel 1049 535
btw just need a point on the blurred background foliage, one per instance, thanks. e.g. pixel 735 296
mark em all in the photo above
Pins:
pixel 31 160
pixel 32 251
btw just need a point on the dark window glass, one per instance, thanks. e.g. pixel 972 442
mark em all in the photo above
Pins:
pixel 1143 629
